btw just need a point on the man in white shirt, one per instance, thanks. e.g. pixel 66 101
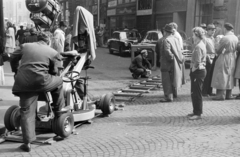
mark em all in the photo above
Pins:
pixel 59 37
pixel 176 34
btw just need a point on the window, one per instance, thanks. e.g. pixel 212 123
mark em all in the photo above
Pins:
pixel 127 1
pixel 120 2
pixel 203 12
pixel 116 35
pixel 154 36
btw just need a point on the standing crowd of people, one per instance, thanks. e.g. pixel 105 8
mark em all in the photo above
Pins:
pixel 215 64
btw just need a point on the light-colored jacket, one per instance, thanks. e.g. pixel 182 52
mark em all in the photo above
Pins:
pixel 10 38
pixel 223 74
pixel 58 40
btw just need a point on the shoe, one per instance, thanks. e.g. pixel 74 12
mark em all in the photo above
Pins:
pixel 212 94
pixel 230 98
pixel 26 147
pixel 205 95
pixel 135 76
pixel 195 117
pixel 190 115
pixel 238 96
pixel 165 100
pixel 64 109
pixel 144 76
pixel 218 99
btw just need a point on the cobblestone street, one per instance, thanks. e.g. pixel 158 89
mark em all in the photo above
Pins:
pixel 148 128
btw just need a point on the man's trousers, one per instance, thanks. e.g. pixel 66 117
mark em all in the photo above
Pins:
pixel 28 108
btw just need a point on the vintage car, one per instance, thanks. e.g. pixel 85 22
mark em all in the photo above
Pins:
pixel 152 37
pixel 121 41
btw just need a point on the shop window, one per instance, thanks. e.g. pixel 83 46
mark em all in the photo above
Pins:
pixel 144 4
pixel 120 1
pixel 203 12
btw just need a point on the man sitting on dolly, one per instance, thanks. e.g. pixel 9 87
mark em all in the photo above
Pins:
pixel 36 73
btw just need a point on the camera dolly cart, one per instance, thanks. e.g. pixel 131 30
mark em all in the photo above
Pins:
pixel 79 109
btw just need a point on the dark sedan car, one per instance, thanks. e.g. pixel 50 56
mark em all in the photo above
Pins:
pixel 121 42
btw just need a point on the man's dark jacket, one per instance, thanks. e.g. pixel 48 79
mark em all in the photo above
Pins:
pixel 38 68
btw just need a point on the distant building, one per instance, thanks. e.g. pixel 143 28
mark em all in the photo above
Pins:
pixel 16 12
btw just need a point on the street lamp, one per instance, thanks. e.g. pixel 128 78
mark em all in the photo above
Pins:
pixel 98 12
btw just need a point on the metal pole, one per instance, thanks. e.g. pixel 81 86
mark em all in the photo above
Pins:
pixel 2 31
pixel 98 14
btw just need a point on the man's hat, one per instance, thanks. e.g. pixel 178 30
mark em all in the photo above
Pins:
pixel 211 26
pixel 228 26
pixel 143 51
pixel 203 25
pixel 168 28
pixel 62 24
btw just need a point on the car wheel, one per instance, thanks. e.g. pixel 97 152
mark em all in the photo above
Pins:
pixel 63 125
pixel 12 118
pixel 107 104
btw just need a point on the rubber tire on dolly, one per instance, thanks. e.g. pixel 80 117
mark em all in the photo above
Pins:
pixel 107 104
pixel 58 125
pixel 12 118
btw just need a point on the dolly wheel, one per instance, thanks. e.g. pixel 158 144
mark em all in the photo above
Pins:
pixel 12 118
pixel 63 125
pixel 107 104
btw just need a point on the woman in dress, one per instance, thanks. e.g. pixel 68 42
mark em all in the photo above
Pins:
pixel 10 38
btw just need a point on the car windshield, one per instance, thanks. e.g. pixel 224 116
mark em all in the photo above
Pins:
pixel 123 35
pixel 152 36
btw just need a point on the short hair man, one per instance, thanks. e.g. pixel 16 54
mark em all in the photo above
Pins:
pixel 36 73
pixel 140 65
pixel 223 74
pixel 171 69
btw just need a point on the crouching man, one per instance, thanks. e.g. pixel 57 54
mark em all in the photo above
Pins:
pixel 140 66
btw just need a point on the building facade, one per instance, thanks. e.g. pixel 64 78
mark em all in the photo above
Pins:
pixel 16 12
pixel 145 15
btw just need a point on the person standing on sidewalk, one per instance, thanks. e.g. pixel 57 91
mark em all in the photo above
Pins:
pixel 171 64
pixel 20 35
pixel 210 47
pixel 59 37
pixel 10 39
pixel 197 72
pixel 223 75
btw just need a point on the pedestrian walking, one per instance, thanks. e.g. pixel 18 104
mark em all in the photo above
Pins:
pixel 10 39
pixel 210 62
pixel 223 74
pixel 20 35
pixel 171 64
pixel 197 72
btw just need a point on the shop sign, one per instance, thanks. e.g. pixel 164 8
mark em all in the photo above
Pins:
pixel 127 10
pixel 112 3
pixel 144 7
pixel 111 12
